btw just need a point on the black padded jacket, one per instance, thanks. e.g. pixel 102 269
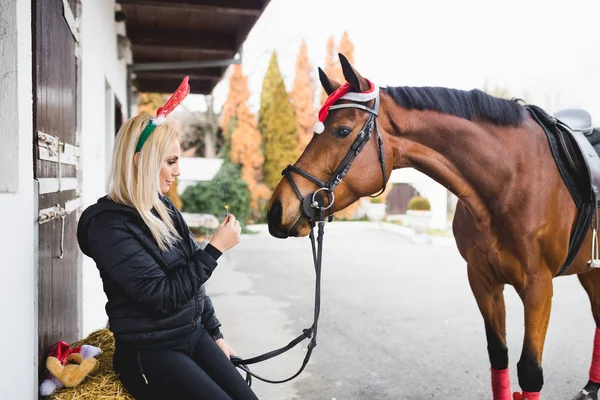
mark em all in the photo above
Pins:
pixel 153 295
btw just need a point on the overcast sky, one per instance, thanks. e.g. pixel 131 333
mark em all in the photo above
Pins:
pixel 547 51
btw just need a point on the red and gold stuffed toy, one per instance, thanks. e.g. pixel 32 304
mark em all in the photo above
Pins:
pixel 68 366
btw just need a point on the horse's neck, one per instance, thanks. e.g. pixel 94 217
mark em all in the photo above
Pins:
pixel 465 157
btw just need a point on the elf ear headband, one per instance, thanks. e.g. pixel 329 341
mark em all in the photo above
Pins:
pixel 161 114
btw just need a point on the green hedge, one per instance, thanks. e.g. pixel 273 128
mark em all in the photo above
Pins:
pixel 419 203
pixel 208 197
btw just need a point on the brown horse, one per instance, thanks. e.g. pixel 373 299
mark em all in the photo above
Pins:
pixel 515 215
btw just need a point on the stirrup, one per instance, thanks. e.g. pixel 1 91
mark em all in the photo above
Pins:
pixel 595 261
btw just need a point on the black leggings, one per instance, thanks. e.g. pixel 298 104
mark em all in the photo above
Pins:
pixel 190 368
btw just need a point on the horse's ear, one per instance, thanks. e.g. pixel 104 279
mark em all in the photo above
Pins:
pixel 356 81
pixel 328 84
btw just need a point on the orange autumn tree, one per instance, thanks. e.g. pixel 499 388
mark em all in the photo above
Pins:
pixel 346 47
pixel 150 102
pixel 330 57
pixel 246 151
pixel 238 93
pixel 333 69
pixel 303 96
pixel 245 140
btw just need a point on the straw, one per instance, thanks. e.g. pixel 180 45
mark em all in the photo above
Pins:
pixel 102 383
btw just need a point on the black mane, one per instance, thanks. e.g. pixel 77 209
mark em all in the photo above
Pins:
pixel 471 105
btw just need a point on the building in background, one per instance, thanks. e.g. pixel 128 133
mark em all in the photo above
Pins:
pixel 197 169
pixel 69 74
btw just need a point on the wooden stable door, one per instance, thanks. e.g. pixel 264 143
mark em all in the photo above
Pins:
pixel 398 198
pixel 55 94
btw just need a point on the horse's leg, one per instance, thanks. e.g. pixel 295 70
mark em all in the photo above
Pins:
pixel 490 300
pixel 591 284
pixel 537 301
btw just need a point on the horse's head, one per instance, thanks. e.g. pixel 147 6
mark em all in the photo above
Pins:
pixel 349 118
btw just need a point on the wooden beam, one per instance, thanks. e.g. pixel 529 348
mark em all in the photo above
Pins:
pixel 199 51
pixel 209 74
pixel 240 7
pixel 188 65
pixel 205 42
pixel 169 85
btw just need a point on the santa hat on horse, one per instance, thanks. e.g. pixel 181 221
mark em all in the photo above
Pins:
pixel 343 93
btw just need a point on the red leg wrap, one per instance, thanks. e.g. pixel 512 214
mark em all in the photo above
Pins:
pixel 527 396
pixel 595 367
pixel 500 384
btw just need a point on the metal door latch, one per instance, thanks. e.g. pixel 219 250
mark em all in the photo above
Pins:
pixel 52 213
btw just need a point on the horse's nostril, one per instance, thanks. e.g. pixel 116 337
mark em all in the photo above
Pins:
pixel 274 220
pixel 275 212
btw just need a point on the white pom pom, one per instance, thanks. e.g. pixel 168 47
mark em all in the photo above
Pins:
pixel 88 351
pixel 161 119
pixel 319 127
pixel 48 387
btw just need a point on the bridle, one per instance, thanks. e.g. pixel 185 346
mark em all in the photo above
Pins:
pixel 313 207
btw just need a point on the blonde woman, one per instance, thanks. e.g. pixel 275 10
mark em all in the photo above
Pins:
pixel 168 342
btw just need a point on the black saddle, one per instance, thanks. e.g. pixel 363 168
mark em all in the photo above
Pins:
pixel 568 151
pixel 580 120
pixel 577 119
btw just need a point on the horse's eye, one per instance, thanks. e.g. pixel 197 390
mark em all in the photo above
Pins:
pixel 343 132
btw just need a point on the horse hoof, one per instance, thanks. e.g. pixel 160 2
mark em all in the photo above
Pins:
pixel 585 395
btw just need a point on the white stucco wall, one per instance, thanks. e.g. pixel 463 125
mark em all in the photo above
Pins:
pixel 196 169
pixel 100 68
pixel 18 286
pixel 427 187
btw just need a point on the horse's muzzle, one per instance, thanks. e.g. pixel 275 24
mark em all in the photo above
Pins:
pixel 274 220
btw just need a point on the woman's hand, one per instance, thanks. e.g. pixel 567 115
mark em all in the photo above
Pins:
pixel 225 347
pixel 227 234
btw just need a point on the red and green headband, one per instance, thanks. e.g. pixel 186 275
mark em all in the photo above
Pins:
pixel 161 114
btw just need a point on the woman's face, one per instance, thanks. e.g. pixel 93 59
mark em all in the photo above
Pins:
pixel 169 168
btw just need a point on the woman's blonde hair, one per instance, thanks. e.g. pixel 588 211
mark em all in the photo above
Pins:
pixel 138 185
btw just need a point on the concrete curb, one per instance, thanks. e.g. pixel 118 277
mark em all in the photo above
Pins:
pixel 385 226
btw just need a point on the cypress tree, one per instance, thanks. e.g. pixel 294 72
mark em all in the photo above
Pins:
pixel 276 117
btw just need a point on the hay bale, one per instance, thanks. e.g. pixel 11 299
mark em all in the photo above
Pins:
pixel 102 383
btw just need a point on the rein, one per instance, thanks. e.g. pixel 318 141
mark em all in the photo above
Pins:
pixel 313 207
pixel 310 333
